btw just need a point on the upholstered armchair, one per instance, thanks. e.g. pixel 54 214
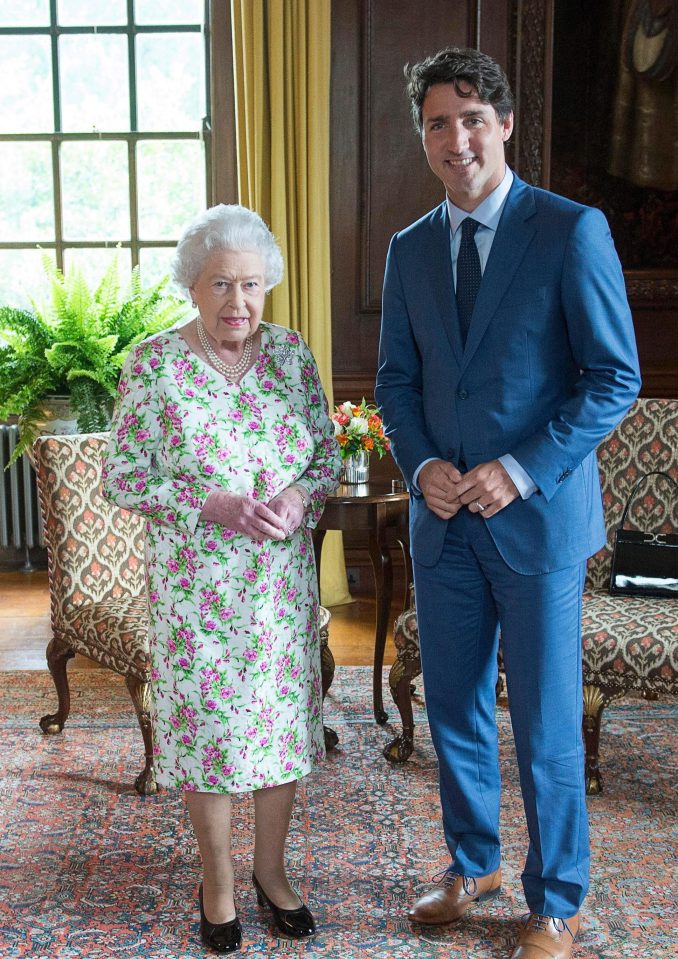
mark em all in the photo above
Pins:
pixel 630 644
pixel 96 579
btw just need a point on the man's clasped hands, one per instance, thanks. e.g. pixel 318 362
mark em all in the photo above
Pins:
pixel 485 489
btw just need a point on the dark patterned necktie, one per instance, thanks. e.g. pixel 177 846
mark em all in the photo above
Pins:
pixel 468 274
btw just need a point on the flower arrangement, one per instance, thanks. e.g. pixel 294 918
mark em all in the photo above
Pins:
pixel 359 427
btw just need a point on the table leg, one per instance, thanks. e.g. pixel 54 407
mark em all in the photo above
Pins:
pixel 383 581
pixel 403 542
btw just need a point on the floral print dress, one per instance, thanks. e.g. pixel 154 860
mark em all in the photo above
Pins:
pixel 237 702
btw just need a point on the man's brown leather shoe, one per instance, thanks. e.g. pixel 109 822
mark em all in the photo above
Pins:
pixel 454 895
pixel 546 937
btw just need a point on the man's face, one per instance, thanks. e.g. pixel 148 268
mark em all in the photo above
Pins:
pixel 464 144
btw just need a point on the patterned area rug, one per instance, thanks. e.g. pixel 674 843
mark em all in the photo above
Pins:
pixel 88 869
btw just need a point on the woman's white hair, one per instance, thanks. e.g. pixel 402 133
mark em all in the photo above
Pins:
pixel 225 227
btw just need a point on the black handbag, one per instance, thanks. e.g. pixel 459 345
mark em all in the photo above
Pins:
pixel 644 564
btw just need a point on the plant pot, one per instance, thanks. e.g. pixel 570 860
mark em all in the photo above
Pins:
pixel 356 468
pixel 56 419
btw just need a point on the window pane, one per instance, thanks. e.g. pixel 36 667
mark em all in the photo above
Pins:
pixel 94 263
pixel 22 276
pixel 28 13
pixel 171 179
pixel 26 202
pixel 95 191
pixel 26 88
pixel 79 13
pixel 94 92
pixel 154 264
pixel 168 11
pixel 170 81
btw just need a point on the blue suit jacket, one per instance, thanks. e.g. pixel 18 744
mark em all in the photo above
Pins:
pixel 549 368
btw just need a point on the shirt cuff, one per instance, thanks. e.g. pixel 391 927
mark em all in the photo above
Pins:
pixel 415 478
pixel 523 481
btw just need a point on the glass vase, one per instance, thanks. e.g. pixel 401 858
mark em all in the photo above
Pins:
pixel 356 468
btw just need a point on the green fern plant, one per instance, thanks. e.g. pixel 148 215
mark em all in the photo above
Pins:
pixel 76 345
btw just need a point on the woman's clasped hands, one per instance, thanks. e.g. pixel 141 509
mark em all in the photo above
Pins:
pixel 278 519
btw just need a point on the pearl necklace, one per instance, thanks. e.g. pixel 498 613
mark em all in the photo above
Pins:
pixel 230 372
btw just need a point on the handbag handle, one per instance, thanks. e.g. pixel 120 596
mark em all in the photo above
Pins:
pixel 638 484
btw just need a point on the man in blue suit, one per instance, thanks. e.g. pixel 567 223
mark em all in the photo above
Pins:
pixel 507 354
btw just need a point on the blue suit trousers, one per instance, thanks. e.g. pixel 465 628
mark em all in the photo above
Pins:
pixel 463 603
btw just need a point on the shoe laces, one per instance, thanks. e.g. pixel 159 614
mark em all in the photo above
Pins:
pixel 541 923
pixel 448 877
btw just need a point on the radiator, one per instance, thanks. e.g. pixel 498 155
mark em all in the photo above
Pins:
pixel 20 519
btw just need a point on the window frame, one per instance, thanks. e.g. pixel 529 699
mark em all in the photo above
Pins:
pixel 131 137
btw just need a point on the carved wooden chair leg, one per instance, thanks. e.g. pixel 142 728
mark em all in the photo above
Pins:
pixel 594 703
pixel 58 654
pixel 327 667
pixel 400 679
pixel 140 691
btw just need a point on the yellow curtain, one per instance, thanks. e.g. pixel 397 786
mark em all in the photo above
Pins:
pixel 281 55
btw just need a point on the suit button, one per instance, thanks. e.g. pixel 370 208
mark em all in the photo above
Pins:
pixel 462 394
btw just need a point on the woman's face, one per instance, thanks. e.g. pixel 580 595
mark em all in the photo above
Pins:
pixel 230 295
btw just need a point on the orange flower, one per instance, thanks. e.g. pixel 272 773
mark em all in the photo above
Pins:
pixel 342 438
pixel 368 442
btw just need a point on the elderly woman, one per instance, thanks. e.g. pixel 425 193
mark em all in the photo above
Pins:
pixel 221 439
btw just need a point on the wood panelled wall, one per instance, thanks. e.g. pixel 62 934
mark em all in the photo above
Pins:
pixel 588 115
pixel 380 181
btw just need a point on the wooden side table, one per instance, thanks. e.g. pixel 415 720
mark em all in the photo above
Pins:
pixel 376 508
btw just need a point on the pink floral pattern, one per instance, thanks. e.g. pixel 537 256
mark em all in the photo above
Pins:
pixel 234 623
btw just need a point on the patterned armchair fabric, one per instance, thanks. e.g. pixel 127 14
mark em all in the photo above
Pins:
pixel 96 578
pixel 631 643
pixel 645 440
pixel 628 643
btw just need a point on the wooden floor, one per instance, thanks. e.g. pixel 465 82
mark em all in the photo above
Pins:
pixel 25 629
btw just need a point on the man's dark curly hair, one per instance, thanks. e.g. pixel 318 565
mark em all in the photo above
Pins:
pixel 469 70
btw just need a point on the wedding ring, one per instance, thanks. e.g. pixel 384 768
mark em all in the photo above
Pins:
pixel 289 530
pixel 480 506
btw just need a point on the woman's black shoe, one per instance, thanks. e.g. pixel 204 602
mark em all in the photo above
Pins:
pixel 221 936
pixel 296 923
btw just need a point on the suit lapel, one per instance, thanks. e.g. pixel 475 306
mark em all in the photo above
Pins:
pixel 508 249
pixel 439 271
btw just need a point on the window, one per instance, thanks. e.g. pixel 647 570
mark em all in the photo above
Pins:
pixel 104 134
